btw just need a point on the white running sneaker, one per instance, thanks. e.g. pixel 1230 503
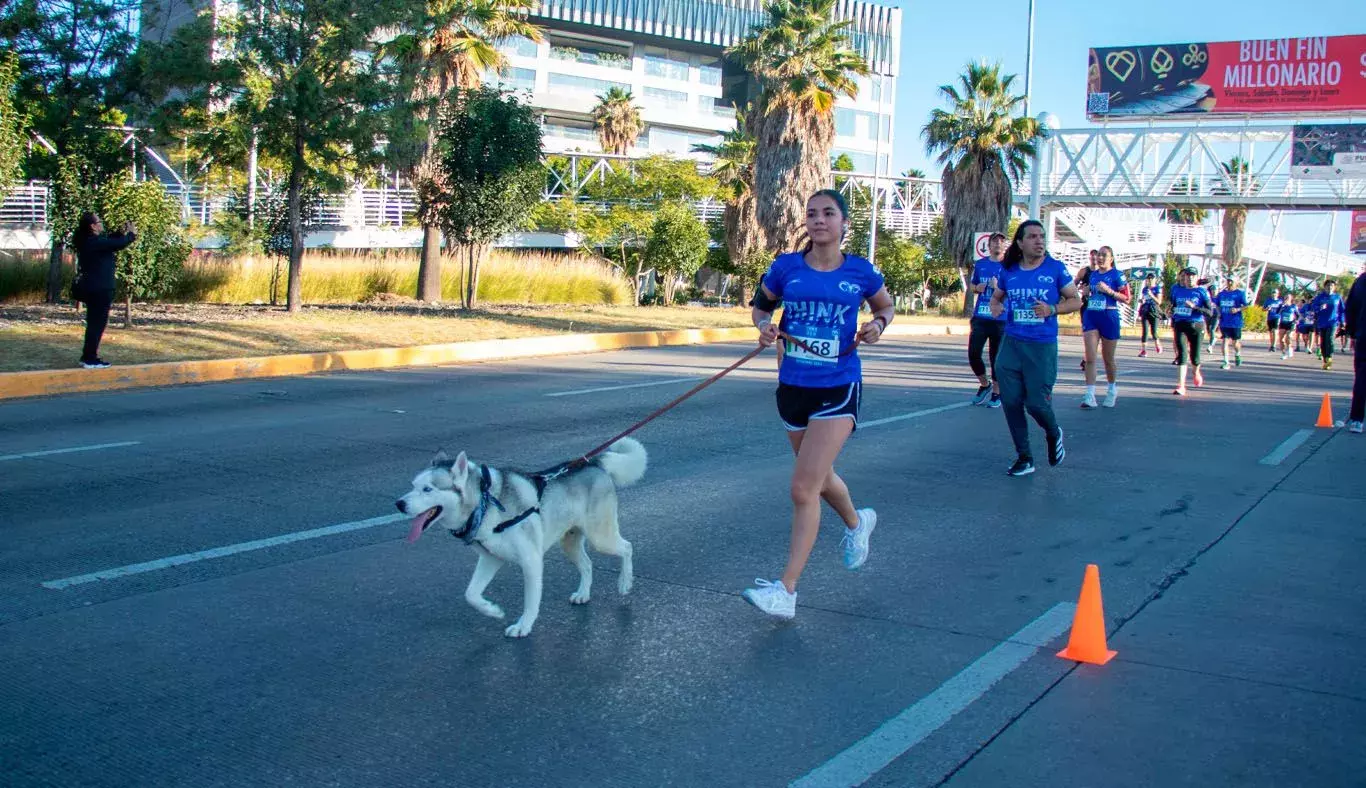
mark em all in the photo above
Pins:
pixel 1355 426
pixel 772 597
pixel 1088 402
pixel 855 541
pixel 1110 397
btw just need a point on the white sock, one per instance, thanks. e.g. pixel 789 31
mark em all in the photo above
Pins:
pixel 1111 388
pixel 1090 391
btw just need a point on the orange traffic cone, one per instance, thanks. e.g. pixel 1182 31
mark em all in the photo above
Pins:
pixel 1325 413
pixel 1087 643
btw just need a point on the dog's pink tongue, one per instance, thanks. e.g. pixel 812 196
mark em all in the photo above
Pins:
pixel 416 530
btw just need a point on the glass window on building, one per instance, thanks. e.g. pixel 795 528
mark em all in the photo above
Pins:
pixel 715 107
pixel 514 78
pixel 578 84
pixel 710 70
pixel 666 64
pixel 667 140
pixel 518 45
pixel 568 131
pixel 666 98
pixel 862 162
pixel 845 122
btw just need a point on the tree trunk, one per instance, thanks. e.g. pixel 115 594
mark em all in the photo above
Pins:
pixel 54 271
pixel 1235 223
pixel 294 294
pixel 127 309
pixel 429 266
pixel 792 162
pixel 976 200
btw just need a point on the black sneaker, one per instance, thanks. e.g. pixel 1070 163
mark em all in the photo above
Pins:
pixel 1022 467
pixel 98 363
pixel 980 398
pixel 1056 450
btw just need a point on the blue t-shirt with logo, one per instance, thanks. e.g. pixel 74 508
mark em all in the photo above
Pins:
pixel 1098 301
pixel 1229 300
pixel 1307 317
pixel 1023 289
pixel 1273 308
pixel 1148 296
pixel 821 308
pixel 1287 313
pixel 983 271
pixel 1183 312
pixel 1327 310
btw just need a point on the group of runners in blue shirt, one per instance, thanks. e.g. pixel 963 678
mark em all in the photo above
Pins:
pixel 1308 324
pixel 1020 292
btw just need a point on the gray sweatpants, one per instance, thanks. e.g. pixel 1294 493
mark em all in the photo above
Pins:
pixel 1026 372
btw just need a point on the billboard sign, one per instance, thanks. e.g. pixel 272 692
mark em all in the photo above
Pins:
pixel 1325 75
pixel 1329 150
pixel 1358 237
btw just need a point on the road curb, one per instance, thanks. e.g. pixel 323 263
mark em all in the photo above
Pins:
pixel 40 383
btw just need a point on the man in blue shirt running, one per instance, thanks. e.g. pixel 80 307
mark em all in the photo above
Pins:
pixel 1032 291
pixel 1328 311
pixel 1231 302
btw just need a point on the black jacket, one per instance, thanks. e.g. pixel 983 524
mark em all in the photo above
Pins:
pixel 95 259
pixel 1356 308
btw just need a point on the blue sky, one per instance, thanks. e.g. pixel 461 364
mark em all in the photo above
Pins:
pixel 939 37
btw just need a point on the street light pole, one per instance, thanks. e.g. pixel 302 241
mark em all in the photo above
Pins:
pixel 1029 60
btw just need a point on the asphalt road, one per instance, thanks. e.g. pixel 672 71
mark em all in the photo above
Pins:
pixel 1233 586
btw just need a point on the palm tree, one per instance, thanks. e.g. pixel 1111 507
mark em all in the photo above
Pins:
pixel 450 45
pixel 983 142
pixel 1242 184
pixel 802 62
pixel 914 172
pixel 733 167
pixel 617 121
pixel 1185 185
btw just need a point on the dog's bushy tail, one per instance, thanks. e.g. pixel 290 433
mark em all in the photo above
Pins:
pixel 625 461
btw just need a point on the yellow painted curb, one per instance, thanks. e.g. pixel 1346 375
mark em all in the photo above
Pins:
pixel 14 385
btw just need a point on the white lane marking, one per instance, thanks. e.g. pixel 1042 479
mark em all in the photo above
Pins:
pixel 913 725
pixel 51 452
pixel 1287 447
pixel 219 552
pixel 669 382
pixel 914 414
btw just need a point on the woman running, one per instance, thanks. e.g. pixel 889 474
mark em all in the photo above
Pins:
pixel 1328 311
pixel 1149 307
pixel 986 331
pixel 1100 324
pixel 1032 291
pixel 1213 290
pixel 1273 321
pixel 1191 305
pixel 1232 301
pixel 1289 315
pixel 819 382
pixel 1304 329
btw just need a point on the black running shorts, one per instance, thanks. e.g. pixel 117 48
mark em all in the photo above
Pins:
pixel 798 405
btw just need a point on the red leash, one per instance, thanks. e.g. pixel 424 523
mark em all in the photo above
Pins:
pixel 695 389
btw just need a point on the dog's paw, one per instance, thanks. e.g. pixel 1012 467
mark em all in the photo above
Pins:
pixel 489 609
pixel 624 584
pixel 579 598
pixel 518 630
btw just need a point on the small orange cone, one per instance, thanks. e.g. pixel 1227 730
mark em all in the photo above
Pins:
pixel 1087 643
pixel 1325 413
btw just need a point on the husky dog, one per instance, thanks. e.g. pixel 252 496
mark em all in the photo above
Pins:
pixel 511 516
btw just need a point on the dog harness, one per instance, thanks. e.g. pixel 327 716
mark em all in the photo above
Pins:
pixel 486 497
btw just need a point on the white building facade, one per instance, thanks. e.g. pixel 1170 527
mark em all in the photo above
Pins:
pixel 670 55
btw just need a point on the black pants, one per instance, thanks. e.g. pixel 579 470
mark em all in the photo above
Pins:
pixel 1187 338
pixel 1149 319
pixel 1358 411
pixel 984 333
pixel 96 318
pixel 1326 341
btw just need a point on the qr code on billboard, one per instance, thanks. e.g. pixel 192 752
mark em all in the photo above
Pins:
pixel 1097 103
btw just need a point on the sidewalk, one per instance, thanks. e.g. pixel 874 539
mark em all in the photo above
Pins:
pixel 1270 622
